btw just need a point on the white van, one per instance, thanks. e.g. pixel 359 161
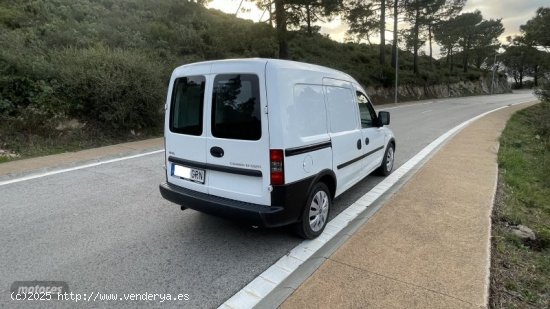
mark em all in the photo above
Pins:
pixel 270 142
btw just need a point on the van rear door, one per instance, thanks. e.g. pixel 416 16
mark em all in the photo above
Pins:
pixel 237 147
pixel 185 132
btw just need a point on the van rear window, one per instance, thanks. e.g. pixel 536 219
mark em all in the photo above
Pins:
pixel 236 109
pixel 187 105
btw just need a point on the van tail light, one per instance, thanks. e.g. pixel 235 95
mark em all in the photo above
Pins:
pixel 277 166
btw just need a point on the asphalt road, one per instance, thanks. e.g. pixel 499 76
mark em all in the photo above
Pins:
pixel 106 229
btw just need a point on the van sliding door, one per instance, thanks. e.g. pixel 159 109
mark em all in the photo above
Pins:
pixel 345 133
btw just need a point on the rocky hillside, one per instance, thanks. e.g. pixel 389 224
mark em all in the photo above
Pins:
pixel 446 90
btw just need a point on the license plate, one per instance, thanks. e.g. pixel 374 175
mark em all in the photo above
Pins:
pixel 192 174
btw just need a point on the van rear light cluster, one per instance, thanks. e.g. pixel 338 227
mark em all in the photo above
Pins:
pixel 277 166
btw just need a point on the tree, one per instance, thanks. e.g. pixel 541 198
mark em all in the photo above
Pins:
pixel 414 14
pixel 536 32
pixel 523 59
pixel 266 6
pixel 311 11
pixel 366 19
pixel 423 15
pixel 433 12
pixel 437 11
pixel 395 42
pixel 515 62
pixel 280 19
pixel 362 19
pixel 472 35
pixel 382 32
pixel 485 42
pixel 539 65
pixel 446 33
pixel 201 2
pixel 536 29
pixel 293 12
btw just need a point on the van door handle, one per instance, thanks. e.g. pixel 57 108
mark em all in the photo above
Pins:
pixel 216 152
pixel 358 144
pixel 367 141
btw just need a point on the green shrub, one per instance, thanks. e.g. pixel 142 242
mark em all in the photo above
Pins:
pixel 119 89
pixel 543 92
pixel 528 84
pixel 473 76
pixel 384 75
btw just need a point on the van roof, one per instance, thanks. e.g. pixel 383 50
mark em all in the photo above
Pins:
pixel 277 63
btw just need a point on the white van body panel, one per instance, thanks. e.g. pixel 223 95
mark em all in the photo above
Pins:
pixel 308 100
pixel 300 116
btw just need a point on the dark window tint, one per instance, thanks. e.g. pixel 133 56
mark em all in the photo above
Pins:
pixel 187 105
pixel 365 109
pixel 236 110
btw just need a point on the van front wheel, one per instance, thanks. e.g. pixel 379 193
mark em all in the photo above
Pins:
pixel 315 213
pixel 387 163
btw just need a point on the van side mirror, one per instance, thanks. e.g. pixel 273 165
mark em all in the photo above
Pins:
pixel 384 118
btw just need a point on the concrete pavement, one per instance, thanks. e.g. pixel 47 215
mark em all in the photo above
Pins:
pixel 429 246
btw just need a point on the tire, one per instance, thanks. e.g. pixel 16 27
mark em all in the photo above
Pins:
pixel 314 221
pixel 387 163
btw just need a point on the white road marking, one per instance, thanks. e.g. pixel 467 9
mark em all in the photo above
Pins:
pixel 382 108
pixel 252 294
pixel 425 112
pixel 35 176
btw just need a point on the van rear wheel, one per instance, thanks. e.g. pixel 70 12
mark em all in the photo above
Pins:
pixel 315 213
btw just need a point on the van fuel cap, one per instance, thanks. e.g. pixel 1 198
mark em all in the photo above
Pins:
pixel 307 164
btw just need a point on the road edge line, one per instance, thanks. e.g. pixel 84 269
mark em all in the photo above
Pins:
pixel 65 170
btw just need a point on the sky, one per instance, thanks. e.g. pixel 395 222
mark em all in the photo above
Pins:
pixel 512 12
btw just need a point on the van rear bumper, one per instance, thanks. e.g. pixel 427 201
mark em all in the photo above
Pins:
pixel 255 214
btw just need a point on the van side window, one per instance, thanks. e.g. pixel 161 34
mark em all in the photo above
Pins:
pixel 340 108
pixel 236 109
pixel 365 109
pixel 187 105
pixel 309 101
